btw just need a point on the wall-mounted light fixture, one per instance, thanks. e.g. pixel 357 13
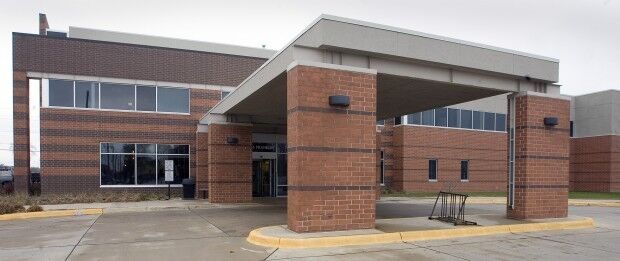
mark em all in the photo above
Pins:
pixel 232 140
pixel 339 100
pixel 551 121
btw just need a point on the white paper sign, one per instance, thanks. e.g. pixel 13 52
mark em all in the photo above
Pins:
pixel 169 170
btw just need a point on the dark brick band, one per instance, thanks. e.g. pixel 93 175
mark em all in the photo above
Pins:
pixel 70 163
pixel 118 134
pixel 329 188
pixel 542 128
pixel 138 119
pixel 330 110
pixel 329 149
pixel 546 186
pixel 541 157
pixel 229 163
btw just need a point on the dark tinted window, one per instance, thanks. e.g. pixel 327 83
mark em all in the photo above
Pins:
pixel 146 148
pixel 489 121
pixel 398 120
pixel 500 122
pixel 464 170
pixel 224 94
pixel 180 165
pixel 117 96
pixel 432 169
pixel 172 100
pixel 117 169
pixel 415 118
pixel 453 118
pixel 117 148
pixel 86 94
pixel 146 169
pixel 441 117
pixel 60 93
pixel 145 100
pixel 172 149
pixel 466 119
pixel 381 122
pixel 478 120
pixel 428 118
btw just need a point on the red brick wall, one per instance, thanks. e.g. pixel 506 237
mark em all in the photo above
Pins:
pixel 595 164
pixel 414 146
pixel 541 158
pixel 230 165
pixel 202 166
pixel 70 140
pixel 331 151
pixel 21 131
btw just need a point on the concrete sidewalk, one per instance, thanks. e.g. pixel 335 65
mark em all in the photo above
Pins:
pixel 140 206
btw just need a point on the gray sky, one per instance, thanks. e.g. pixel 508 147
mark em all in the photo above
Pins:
pixel 583 34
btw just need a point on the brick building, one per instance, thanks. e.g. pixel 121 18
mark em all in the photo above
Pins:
pixel 122 112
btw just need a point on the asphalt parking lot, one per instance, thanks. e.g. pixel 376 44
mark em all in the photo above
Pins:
pixel 220 234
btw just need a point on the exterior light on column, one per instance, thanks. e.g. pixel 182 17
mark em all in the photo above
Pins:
pixel 339 100
pixel 232 140
pixel 551 121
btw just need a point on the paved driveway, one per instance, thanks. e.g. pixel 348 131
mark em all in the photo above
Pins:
pixel 219 234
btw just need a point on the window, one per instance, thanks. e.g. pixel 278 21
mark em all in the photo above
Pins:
pixel 128 164
pixel 398 121
pixel 464 170
pixel 382 169
pixel 572 129
pixel 415 118
pixel 453 118
pixel 224 94
pixel 146 98
pixel 428 118
pixel 86 94
pixel 172 100
pixel 441 117
pixel 500 122
pixel 478 120
pixel 381 122
pixel 117 96
pixel 466 119
pixel 489 121
pixel 60 93
pixel 432 170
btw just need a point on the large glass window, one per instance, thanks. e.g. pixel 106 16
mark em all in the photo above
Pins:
pixel 415 118
pixel 432 170
pixel 428 118
pixel 466 119
pixel 60 93
pixel 489 121
pixel 172 100
pixel 478 120
pixel 500 122
pixel 145 100
pixel 464 170
pixel 86 94
pixel 441 117
pixel 129 164
pixel 453 118
pixel 117 96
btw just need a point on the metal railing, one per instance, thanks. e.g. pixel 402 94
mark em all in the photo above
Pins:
pixel 452 208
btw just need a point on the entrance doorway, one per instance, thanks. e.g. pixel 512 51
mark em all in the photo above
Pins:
pixel 263 183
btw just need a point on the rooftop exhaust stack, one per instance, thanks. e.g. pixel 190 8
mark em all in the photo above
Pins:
pixel 43 25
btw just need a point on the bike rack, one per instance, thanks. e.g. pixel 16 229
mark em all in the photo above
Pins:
pixel 452 208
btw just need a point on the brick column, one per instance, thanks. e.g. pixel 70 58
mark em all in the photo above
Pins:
pixel 202 159
pixel 541 157
pixel 21 131
pixel 230 165
pixel 331 150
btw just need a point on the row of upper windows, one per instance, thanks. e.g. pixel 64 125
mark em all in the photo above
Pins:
pixel 115 96
pixel 456 118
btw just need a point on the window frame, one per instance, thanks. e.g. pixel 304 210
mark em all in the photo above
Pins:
pixel 436 170
pixel 136 154
pixel 460 119
pixel 46 95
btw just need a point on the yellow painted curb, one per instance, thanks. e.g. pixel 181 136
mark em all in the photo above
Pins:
pixel 257 237
pixel 51 213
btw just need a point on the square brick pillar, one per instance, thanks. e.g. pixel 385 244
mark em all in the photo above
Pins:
pixel 230 164
pixel 332 161
pixel 202 159
pixel 21 131
pixel 541 156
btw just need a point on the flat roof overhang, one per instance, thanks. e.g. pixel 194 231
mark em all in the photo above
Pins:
pixel 415 71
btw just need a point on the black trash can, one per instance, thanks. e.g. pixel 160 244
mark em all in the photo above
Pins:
pixel 189 188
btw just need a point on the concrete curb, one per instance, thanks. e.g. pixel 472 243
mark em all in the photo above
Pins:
pixel 51 213
pixel 258 238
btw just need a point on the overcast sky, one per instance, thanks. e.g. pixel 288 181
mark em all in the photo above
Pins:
pixel 583 34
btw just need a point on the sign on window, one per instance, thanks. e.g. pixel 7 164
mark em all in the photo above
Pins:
pixel 169 170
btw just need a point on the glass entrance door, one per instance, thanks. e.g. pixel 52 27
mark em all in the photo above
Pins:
pixel 263 183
